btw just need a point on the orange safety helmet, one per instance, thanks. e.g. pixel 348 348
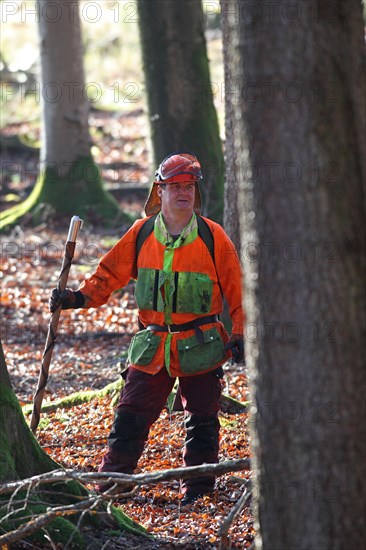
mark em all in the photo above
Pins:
pixel 174 168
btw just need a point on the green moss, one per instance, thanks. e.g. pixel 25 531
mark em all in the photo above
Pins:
pixel 59 530
pixel 7 463
pixel 22 457
pixel 12 423
pixel 78 398
pixel 171 397
pixel 25 458
pixel 63 492
pixel 233 406
pixel 127 523
pixel 231 423
pixel 79 191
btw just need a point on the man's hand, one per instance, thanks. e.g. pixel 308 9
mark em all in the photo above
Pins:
pixel 236 346
pixel 68 299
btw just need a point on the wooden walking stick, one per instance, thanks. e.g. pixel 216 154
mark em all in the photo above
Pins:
pixel 75 225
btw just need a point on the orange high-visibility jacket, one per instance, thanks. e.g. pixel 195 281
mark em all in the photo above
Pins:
pixel 177 282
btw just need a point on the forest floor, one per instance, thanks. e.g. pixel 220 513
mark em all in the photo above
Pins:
pixel 91 346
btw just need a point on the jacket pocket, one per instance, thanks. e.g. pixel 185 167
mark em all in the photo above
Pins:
pixel 147 290
pixel 143 347
pixel 195 356
pixel 194 293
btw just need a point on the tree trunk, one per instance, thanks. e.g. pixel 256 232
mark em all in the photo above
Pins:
pixel 69 181
pixel 232 188
pixel 300 112
pixel 182 113
pixel 20 454
pixel 65 110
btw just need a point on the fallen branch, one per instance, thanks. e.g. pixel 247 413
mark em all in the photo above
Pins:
pixel 93 500
pixel 237 479
pixel 43 519
pixel 233 406
pixel 235 510
pixel 127 479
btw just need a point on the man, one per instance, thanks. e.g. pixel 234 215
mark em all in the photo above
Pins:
pixel 179 296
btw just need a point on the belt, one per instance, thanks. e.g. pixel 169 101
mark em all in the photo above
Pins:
pixel 174 329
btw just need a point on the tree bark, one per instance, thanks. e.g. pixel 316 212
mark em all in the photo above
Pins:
pixel 300 114
pixel 4 375
pixel 182 113
pixel 65 108
pixel 20 454
pixel 232 188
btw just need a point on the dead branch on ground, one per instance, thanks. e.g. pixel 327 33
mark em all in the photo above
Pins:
pixel 234 512
pixel 126 479
pixel 93 500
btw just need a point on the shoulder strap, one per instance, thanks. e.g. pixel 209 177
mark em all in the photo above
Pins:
pixel 205 233
pixel 144 232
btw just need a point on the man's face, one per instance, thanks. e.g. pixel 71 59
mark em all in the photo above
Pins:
pixel 177 197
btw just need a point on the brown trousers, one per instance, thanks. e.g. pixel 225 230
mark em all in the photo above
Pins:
pixel 142 400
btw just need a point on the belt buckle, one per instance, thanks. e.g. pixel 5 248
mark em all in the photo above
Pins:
pixel 172 331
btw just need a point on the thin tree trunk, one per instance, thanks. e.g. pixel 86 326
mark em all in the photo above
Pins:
pixel 301 115
pixel 65 104
pixel 232 188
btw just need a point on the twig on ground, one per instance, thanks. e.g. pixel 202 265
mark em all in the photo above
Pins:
pixel 235 510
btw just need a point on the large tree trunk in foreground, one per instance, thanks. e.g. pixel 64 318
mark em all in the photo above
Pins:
pixel 182 113
pixel 70 181
pixel 300 71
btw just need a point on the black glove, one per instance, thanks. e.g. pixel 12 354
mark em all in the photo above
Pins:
pixel 67 298
pixel 236 346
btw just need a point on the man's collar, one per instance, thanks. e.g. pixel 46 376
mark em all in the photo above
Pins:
pixel 188 233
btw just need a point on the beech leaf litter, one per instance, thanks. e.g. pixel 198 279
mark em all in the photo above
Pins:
pixel 89 353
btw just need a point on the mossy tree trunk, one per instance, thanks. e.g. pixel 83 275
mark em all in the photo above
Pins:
pixel 20 454
pixel 299 119
pixel 69 181
pixel 21 457
pixel 182 113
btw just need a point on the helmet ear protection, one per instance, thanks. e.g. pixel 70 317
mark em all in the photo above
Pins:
pixel 174 168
